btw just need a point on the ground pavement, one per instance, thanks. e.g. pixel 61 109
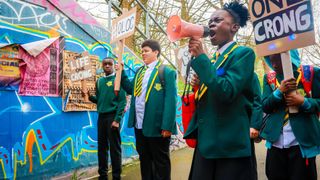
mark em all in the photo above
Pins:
pixel 181 163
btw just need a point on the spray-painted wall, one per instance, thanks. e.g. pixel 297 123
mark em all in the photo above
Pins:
pixel 37 139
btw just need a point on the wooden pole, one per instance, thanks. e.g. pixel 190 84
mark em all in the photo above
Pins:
pixel 117 81
pixel 120 45
pixel 288 73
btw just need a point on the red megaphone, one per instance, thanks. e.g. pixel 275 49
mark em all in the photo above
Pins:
pixel 178 28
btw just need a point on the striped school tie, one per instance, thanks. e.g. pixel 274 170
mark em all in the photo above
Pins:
pixel 138 89
pixel 286 117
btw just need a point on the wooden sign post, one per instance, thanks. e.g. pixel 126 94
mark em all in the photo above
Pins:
pixel 288 73
pixel 122 27
pixel 280 26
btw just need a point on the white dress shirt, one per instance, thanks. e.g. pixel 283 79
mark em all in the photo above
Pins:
pixel 224 47
pixel 140 100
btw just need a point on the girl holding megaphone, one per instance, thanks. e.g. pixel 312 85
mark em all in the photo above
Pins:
pixel 224 100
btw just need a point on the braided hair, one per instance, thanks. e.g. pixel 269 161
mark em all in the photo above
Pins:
pixel 238 11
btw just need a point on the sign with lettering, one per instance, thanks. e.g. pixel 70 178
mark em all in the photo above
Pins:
pixel 124 25
pixel 40 74
pixel 281 25
pixel 79 76
pixel 80 67
pixel 9 68
pixel 9 74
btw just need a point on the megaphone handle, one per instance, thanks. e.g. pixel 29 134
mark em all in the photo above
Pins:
pixel 187 85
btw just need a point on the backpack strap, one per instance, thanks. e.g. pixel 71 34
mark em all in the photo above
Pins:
pixel 307 78
pixel 161 74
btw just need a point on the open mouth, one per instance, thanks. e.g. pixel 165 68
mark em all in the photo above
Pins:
pixel 212 34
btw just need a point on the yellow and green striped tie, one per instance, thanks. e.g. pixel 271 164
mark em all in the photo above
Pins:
pixel 286 117
pixel 138 89
pixel 203 88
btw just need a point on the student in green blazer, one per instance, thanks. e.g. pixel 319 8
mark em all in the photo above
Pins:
pixel 152 112
pixel 224 101
pixel 110 108
pixel 293 140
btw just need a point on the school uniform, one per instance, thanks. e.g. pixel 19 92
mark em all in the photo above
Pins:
pixel 223 110
pixel 293 140
pixel 152 109
pixel 110 108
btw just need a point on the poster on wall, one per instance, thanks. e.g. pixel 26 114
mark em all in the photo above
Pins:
pixel 40 73
pixel 79 75
pixel 9 68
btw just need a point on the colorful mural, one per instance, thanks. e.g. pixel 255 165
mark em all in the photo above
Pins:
pixel 37 139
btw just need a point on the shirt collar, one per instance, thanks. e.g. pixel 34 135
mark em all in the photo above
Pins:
pixel 153 64
pixel 223 48
pixel 112 74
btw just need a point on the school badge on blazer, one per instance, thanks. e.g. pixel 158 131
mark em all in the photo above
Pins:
pixel 157 86
pixel 109 83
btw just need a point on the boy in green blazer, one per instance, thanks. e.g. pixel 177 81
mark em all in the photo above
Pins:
pixel 293 140
pixel 224 101
pixel 110 108
pixel 152 112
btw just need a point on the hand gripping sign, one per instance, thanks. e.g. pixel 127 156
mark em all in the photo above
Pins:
pixel 122 27
pixel 280 26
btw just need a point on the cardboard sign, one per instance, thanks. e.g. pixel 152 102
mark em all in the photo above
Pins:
pixel 124 25
pixel 78 77
pixel 281 25
pixel 80 67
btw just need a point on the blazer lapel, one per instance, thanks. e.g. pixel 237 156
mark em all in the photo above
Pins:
pixel 222 56
pixel 152 79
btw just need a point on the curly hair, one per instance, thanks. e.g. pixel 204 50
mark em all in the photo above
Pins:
pixel 238 11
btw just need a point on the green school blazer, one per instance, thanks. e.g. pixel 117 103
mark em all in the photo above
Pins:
pixel 160 108
pixel 305 124
pixel 221 122
pixel 257 112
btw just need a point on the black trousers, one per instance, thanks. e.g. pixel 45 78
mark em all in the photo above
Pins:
pixel 154 156
pixel 254 171
pixel 106 136
pixel 220 169
pixel 288 164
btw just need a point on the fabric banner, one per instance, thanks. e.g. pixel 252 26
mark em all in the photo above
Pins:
pixel 9 68
pixel 40 74
pixel 79 77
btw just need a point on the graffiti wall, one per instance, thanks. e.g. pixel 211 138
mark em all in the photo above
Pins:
pixel 37 139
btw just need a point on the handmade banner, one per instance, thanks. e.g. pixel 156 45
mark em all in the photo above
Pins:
pixel 79 77
pixel 124 25
pixel 9 68
pixel 40 74
pixel 281 25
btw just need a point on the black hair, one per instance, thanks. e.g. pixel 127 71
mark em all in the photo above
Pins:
pixel 111 58
pixel 238 11
pixel 153 44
